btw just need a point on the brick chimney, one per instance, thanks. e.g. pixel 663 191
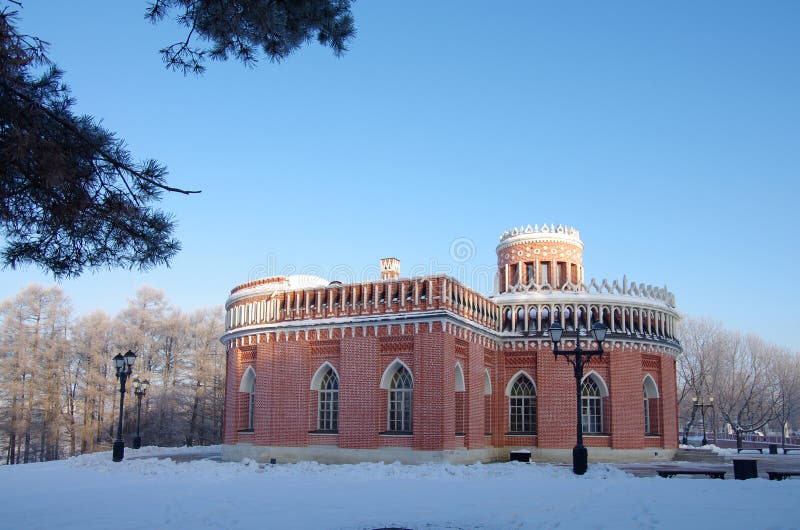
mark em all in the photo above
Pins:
pixel 390 268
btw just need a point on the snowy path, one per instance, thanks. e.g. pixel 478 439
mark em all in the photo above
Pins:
pixel 160 493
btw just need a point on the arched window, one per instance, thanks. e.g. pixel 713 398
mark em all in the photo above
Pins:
pixel 460 400
pixel 398 381
pixel 650 394
pixel 459 378
pixel 522 406
pixel 328 402
pixel 251 406
pixel 591 406
pixel 247 387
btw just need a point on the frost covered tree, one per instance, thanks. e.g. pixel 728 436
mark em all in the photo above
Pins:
pixel 700 340
pixel 787 391
pixel 58 390
pixel 92 383
pixel 72 196
pixel 180 354
pixel 34 336
pixel 205 376
pixel 744 383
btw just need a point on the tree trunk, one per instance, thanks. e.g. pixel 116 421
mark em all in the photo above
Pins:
pixel 193 420
pixel 783 436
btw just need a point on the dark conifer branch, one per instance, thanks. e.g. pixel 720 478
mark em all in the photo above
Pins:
pixel 240 27
pixel 71 197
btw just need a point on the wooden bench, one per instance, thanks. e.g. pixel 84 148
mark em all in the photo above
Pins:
pixel 759 449
pixel 669 473
pixel 780 475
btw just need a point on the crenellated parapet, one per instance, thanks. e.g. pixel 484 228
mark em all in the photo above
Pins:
pixel 317 302
pixel 546 231
pixel 635 311
pixel 623 288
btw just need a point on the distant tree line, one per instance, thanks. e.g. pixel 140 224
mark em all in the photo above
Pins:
pixel 58 390
pixel 755 385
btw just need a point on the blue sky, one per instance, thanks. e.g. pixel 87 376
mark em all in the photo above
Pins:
pixel 668 133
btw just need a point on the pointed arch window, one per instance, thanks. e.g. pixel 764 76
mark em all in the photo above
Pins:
pixel 251 407
pixel 487 402
pixel 651 406
pixel 522 406
pixel 401 401
pixel 328 402
pixel 247 403
pixel 591 406
pixel 460 399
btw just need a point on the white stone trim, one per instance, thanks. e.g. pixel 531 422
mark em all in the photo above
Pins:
pixel 320 373
pixel 460 386
pixel 600 383
pixel 248 378
pixel 515 377
pixel 653 384
pixel 386 378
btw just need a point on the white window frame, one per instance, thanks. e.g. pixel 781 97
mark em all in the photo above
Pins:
pixel 328 402
pixel 591 407
pixel 522 403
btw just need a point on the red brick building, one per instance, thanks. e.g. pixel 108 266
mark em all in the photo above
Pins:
pixel 426 369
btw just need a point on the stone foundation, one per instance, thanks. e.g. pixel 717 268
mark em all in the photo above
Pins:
pixel 326 454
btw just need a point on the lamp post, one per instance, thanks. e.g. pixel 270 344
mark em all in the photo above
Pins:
pixel 139 390
pixel 699 403
pixel 578 358
pixel 124 367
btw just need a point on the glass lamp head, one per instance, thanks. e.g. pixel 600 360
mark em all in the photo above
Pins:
pixel 119 361
pixel 555 331
pixel 599 331
pixel 130 357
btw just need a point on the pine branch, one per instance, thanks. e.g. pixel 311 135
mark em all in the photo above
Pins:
pixel 114 161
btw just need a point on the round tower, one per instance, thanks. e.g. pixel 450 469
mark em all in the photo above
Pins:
pixel 546 256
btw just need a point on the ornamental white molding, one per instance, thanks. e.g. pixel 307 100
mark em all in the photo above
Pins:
pixel 622 289
pixel 545 233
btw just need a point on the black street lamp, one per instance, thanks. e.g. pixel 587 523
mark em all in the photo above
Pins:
pixel 699 403
pixel 124 366
pixel 578 358
pixel 139 390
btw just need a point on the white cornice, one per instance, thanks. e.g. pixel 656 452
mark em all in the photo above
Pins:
pixel 365 320
pixel 581 297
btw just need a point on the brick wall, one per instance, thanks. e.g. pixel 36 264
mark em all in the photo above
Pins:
pixel 286 406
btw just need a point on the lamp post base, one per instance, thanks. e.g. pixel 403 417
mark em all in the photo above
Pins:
pixel 137 442
pixel 119 451
pixel 705 442
pixel 580 458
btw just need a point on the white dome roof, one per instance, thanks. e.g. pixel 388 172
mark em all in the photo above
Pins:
pixel 305 281
pixel 289 283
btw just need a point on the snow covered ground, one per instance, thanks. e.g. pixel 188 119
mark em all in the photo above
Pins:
pixel 144 492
